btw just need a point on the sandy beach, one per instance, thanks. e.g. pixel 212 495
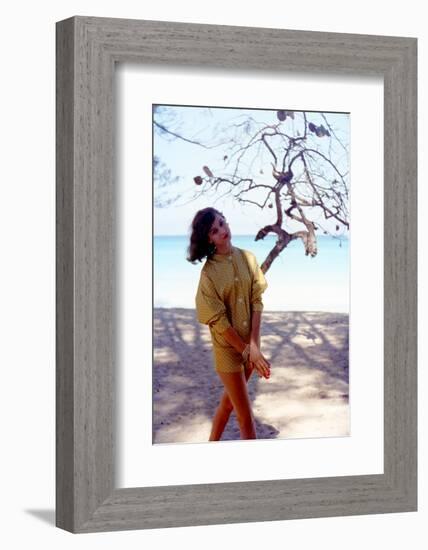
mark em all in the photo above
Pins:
pixel 306 396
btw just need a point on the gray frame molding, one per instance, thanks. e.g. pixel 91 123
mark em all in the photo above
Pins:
pixel 87 50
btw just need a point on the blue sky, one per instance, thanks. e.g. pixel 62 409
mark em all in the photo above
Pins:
pixel 185 160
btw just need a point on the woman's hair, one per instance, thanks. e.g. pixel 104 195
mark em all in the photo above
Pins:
pixel 199 246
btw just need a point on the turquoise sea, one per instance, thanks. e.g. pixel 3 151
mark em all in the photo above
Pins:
pixel 295 282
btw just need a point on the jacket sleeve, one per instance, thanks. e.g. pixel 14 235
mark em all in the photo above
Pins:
pixel 258 284
pixel 210 309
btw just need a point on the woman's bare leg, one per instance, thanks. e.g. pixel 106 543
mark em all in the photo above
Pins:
pixel 221 417
pixel 224 409
pixel 235 397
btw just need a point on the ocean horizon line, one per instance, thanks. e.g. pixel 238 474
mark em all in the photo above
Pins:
pixel 296 281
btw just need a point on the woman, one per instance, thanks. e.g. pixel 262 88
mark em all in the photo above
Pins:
pixel 229 301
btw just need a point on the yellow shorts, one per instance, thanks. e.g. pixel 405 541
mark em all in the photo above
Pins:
pixel 227 359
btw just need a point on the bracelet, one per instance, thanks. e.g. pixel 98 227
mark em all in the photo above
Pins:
pixel 246 352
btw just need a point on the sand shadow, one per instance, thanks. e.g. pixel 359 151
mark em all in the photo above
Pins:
pixel 309 356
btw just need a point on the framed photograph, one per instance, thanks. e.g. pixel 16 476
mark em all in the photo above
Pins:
pixel 155 121
pixel 237 163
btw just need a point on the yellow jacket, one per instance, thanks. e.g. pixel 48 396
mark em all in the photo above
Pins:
pixel 230 289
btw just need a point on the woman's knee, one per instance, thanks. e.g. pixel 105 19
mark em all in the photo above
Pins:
pixel 226 404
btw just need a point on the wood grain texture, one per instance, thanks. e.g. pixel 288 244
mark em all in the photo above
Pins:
pixel 64 277
pixel 87 49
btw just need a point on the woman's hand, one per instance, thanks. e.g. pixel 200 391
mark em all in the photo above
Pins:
pixel 260 363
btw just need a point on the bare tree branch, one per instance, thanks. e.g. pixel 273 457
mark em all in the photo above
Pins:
pixel 308 177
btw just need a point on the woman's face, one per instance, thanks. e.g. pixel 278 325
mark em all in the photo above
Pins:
pixel 219 234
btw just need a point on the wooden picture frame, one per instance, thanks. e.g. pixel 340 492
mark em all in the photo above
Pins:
pixel 87 50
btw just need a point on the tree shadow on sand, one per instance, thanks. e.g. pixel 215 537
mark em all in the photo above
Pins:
pixel 307 395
